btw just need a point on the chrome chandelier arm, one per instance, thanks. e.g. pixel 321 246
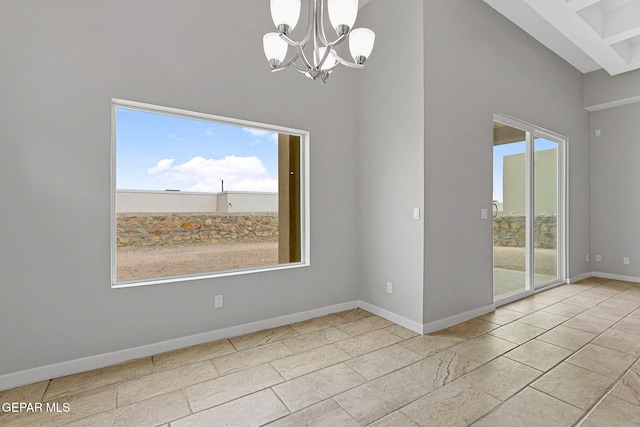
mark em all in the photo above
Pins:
pixel 321 33
pixel 348 64
pixel 287 64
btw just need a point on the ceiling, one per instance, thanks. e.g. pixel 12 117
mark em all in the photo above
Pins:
pixel 589 34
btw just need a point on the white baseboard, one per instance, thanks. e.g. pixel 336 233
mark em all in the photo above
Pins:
pixel 56 370
pixel 616 277
pixel 392 317
pixel 579 277
pixel 458 318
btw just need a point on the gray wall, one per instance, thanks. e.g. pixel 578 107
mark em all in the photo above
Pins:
pixel 602 90
pixel 62 63
pixel 615 192
pixel 390 160
pixel 476 63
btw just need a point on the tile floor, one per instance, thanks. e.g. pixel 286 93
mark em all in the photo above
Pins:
pixel 562 357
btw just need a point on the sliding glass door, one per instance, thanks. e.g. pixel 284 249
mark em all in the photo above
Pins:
pixel 528 208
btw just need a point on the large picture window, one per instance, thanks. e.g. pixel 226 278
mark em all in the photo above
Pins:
pixel 196 195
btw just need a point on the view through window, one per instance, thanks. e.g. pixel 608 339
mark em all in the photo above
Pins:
pixel 196 195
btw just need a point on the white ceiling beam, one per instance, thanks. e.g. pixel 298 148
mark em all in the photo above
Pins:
pixel 571 25
pixel 577 5
pixel 623 23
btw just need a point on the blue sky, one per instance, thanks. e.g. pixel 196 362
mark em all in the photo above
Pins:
pixel 159 152
pixel 499 151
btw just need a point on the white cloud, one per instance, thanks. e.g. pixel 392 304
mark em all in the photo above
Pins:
pixel 260 133
pixel 161 166
pixel 204 175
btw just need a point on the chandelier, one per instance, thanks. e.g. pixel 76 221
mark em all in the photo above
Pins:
pixel 315 56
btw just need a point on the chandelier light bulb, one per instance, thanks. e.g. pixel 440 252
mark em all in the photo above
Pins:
pixel 285 14
pixel 361 42
pixel 342 14
pixel 331 59
pixel 275 49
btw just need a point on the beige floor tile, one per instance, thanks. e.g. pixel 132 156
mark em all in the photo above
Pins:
pixel 564 309
pixel 312 388
pixel 253 410
pixel 635 314
pixel 268 336
pixel 483 348
pixel 532 408
pixel 365 325
pixel 502 316
pixel 629 324
pixel 368 342
pixel 394 419
pixel 571 339
pixel 164 382
pixel 381 362
pixel 193 354
pixel 517 332
pixel 466 330
pixel 501 378
pixel 380 397
pixel 604 313
pixel 319 323
pixel 250 358
pixel 525 306
pixel 539 354
pixel 403 333
pixel 309 361
pixel 450 405
pixel 224 389
pixel 77 383
pixel 628 389
pixel 603 292
pixel 150 412
pixel 81 405
pixel 439 369
pixel 612 412
pixel 594 325
pixel 323 414
pixel 574 385
pixel 621 341
pixel 602 360
pixel 315 339
pixel 621 305
pixel 426 345
pixel 550 296
pixel 355 314
pixel 543 319
pixel 584 300
pixel 28 393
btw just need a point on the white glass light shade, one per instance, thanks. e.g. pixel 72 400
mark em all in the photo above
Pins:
pixel 285 12
pixel 275 49
pixel 342 13
pixel 361 42
pixel 331 59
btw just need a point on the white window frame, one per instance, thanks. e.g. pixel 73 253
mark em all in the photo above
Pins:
pixel 176 112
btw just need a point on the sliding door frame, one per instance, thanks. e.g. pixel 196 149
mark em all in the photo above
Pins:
pixel 533 132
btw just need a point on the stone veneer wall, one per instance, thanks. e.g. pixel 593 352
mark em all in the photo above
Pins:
pixel 144 229
pixel 510 231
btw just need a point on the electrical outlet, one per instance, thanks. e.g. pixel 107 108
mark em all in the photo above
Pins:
pixel 598 258
pixel 625 260
pixel 219 301
pixel 389 287
pixel 587 257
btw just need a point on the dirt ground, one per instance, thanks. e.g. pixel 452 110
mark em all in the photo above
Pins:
pixel 146 262
pixel 514 259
